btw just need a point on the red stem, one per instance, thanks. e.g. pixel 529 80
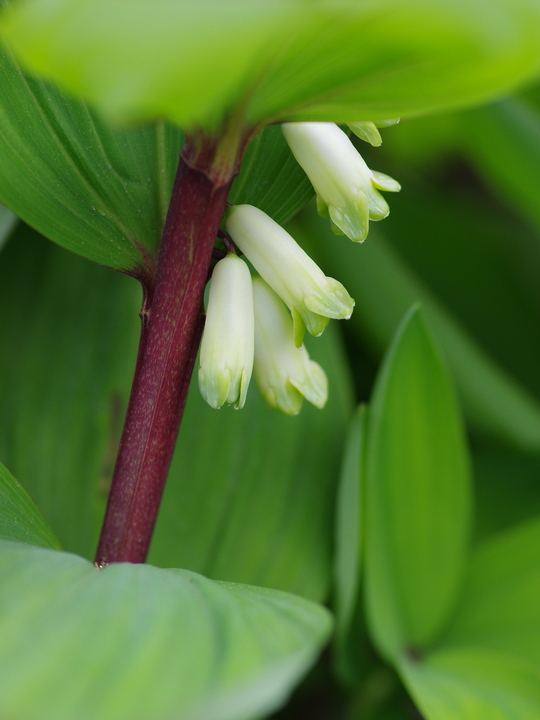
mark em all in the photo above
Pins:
pixel 168 347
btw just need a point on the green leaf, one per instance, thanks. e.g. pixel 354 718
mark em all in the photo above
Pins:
pixel 417 495
pixel 98 191
pixel 384 286
pixel 499 609
pixel 68 350
pixel 270 178
pixel 473 685
pixel 139 643
pixel 20 520
pixel 337 60
pixel 247 490
pixel 349 526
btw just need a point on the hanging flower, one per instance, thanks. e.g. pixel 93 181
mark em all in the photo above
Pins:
pixel 346 188
pixel 226 358
pixel 284 373
pixel 311 297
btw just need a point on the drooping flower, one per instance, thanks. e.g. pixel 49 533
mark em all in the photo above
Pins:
pixel 368 130
pixel 346 188
pixel 226 358
pixel 310 295
pixel 284 372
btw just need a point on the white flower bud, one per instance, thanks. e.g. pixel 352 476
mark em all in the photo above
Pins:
pixel 346 188
pixel 283 372
pixel 311 297
pixel 226 358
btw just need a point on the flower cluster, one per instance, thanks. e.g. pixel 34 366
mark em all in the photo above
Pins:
pixel 258 325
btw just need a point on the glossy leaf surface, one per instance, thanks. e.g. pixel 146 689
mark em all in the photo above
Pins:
pixel 140 643
pixel 417 494
pixel 327 59
pixel 20 520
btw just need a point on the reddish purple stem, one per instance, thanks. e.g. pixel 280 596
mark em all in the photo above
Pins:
pixel 169 341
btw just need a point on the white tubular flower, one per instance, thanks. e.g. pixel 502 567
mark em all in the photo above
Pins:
pixel 311 297
pixel 346 188
pixel 226 358
pixel 369 130
pixel 283 372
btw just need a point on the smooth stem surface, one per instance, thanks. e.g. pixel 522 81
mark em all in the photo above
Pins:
pixel 167 351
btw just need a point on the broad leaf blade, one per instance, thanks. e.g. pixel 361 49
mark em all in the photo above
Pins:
pixel 473 685
pixel 98 191
pixel 417 495
pixel 499 609
pixel 68 350
pixel 270 178
pixel 335 60
pixel 139 643
pixel 20 520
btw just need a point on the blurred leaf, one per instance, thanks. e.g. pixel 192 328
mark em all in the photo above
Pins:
pixel 384 287
pixel 250 495
pixel 503 141
pixel 98 191
pixel 191 62
pixel 499 609
pixel 270 178
pixel 472 685
pixel 20 519
pixel 7 222
pixel 137 642
pixel 349 530
pixel 417 495
pixel 68 350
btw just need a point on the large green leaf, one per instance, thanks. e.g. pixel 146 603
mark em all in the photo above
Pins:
pixel 20 520
pixel 417 501
pixel 474 685
pixel 499 609
pixel 140 643
pixel 68 350
pixel 384 287
pixel 256 508
pixel 99 191
pixel 104 192
pixel 327 59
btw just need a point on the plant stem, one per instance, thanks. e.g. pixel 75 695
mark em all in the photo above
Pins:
pixel 171 328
